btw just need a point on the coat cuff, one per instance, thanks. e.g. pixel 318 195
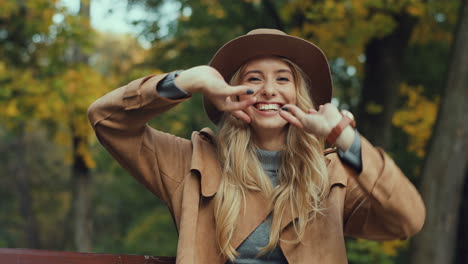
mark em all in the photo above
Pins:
pixel 167 88
pixel 142 93
pixel 352 157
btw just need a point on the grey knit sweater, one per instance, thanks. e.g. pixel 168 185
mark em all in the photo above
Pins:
pixel 271 161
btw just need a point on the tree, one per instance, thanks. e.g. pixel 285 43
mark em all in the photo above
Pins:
pixel 18 43
pixel 382 78
pixel 446 164
pixel 46 86
pixel 372 37
pixel 81 175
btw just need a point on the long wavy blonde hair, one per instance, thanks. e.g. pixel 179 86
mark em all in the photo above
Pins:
pixel 302 178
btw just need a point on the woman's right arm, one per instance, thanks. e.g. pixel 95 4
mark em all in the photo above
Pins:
pixel 119 118
pixel 157 159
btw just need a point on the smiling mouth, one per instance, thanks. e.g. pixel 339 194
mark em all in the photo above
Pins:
pixel 272 107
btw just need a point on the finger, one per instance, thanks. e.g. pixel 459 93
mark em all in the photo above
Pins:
pixel 331 113
pixel 312 111
pixel 242 115
pixel 320 109
pixel 228 90
pixel 290 118
pixel 296 111
pixel 228 105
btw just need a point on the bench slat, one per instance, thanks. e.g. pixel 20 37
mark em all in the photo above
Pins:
pixel 34 256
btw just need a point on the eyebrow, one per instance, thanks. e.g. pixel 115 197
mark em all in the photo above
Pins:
pixel 278 71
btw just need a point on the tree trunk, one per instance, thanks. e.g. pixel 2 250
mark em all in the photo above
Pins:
pixel 462 247
pixel 81 176
pixel 382 79
pixel 445 168
pixel 269 7
pixel 81 182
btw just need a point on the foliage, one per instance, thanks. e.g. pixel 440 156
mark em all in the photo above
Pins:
pixel 46 94
pixel 373 252
pixel 343 28
pixel 153 233
pixel 122 205
pixel 416 118
pixel 49 188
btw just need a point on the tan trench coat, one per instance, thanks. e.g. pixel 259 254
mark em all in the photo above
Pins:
pixel 379 203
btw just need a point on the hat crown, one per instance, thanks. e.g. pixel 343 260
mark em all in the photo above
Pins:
pixel 266 31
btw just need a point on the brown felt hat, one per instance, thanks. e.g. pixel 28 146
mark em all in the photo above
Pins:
pixel 265 42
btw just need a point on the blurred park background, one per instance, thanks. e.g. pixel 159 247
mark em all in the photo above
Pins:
pixel 400 65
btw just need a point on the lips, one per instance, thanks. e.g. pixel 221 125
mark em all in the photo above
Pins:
pixel 268 106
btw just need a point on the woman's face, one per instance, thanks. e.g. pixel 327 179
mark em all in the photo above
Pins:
pixel 273 84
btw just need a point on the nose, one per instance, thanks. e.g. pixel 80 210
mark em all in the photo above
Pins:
pixel 268 89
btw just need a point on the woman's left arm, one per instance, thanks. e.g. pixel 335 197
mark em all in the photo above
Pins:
pixel 380 202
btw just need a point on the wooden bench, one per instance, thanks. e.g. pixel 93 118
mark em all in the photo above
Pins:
pixel 34 256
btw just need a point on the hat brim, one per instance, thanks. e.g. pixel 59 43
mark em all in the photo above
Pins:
pixel 306 55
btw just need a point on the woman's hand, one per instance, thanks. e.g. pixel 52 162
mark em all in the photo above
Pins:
pixel 207 80
pixel 319 123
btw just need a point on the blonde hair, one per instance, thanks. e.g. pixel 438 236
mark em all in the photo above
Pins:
pixel 302 178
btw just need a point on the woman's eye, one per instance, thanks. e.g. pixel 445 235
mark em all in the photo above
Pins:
pixel 253 79
pixel 283 79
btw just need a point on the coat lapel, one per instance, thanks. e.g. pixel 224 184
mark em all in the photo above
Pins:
pixel 289 216
pixel 186 252
pixel 250 217
pixel 204 161
pixel 196 241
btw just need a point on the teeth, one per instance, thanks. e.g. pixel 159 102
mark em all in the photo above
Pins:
pixel 264 107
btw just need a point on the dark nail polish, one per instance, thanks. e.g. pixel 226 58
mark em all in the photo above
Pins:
pixel 284 108
pixel 250 91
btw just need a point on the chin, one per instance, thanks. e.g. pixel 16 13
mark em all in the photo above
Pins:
pixel 269 125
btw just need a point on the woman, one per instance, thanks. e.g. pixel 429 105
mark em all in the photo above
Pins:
pixel 263 190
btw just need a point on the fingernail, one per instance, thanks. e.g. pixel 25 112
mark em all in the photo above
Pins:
pixel 250 91
pixel 284 108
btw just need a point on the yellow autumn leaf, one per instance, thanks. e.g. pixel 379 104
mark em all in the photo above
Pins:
pixel 416 118
pixel 390 248
pixel 374 108
pixel 11 110
pixel 83 151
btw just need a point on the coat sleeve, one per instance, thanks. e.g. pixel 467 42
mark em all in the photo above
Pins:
pixel 119 119
pixel 380 202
